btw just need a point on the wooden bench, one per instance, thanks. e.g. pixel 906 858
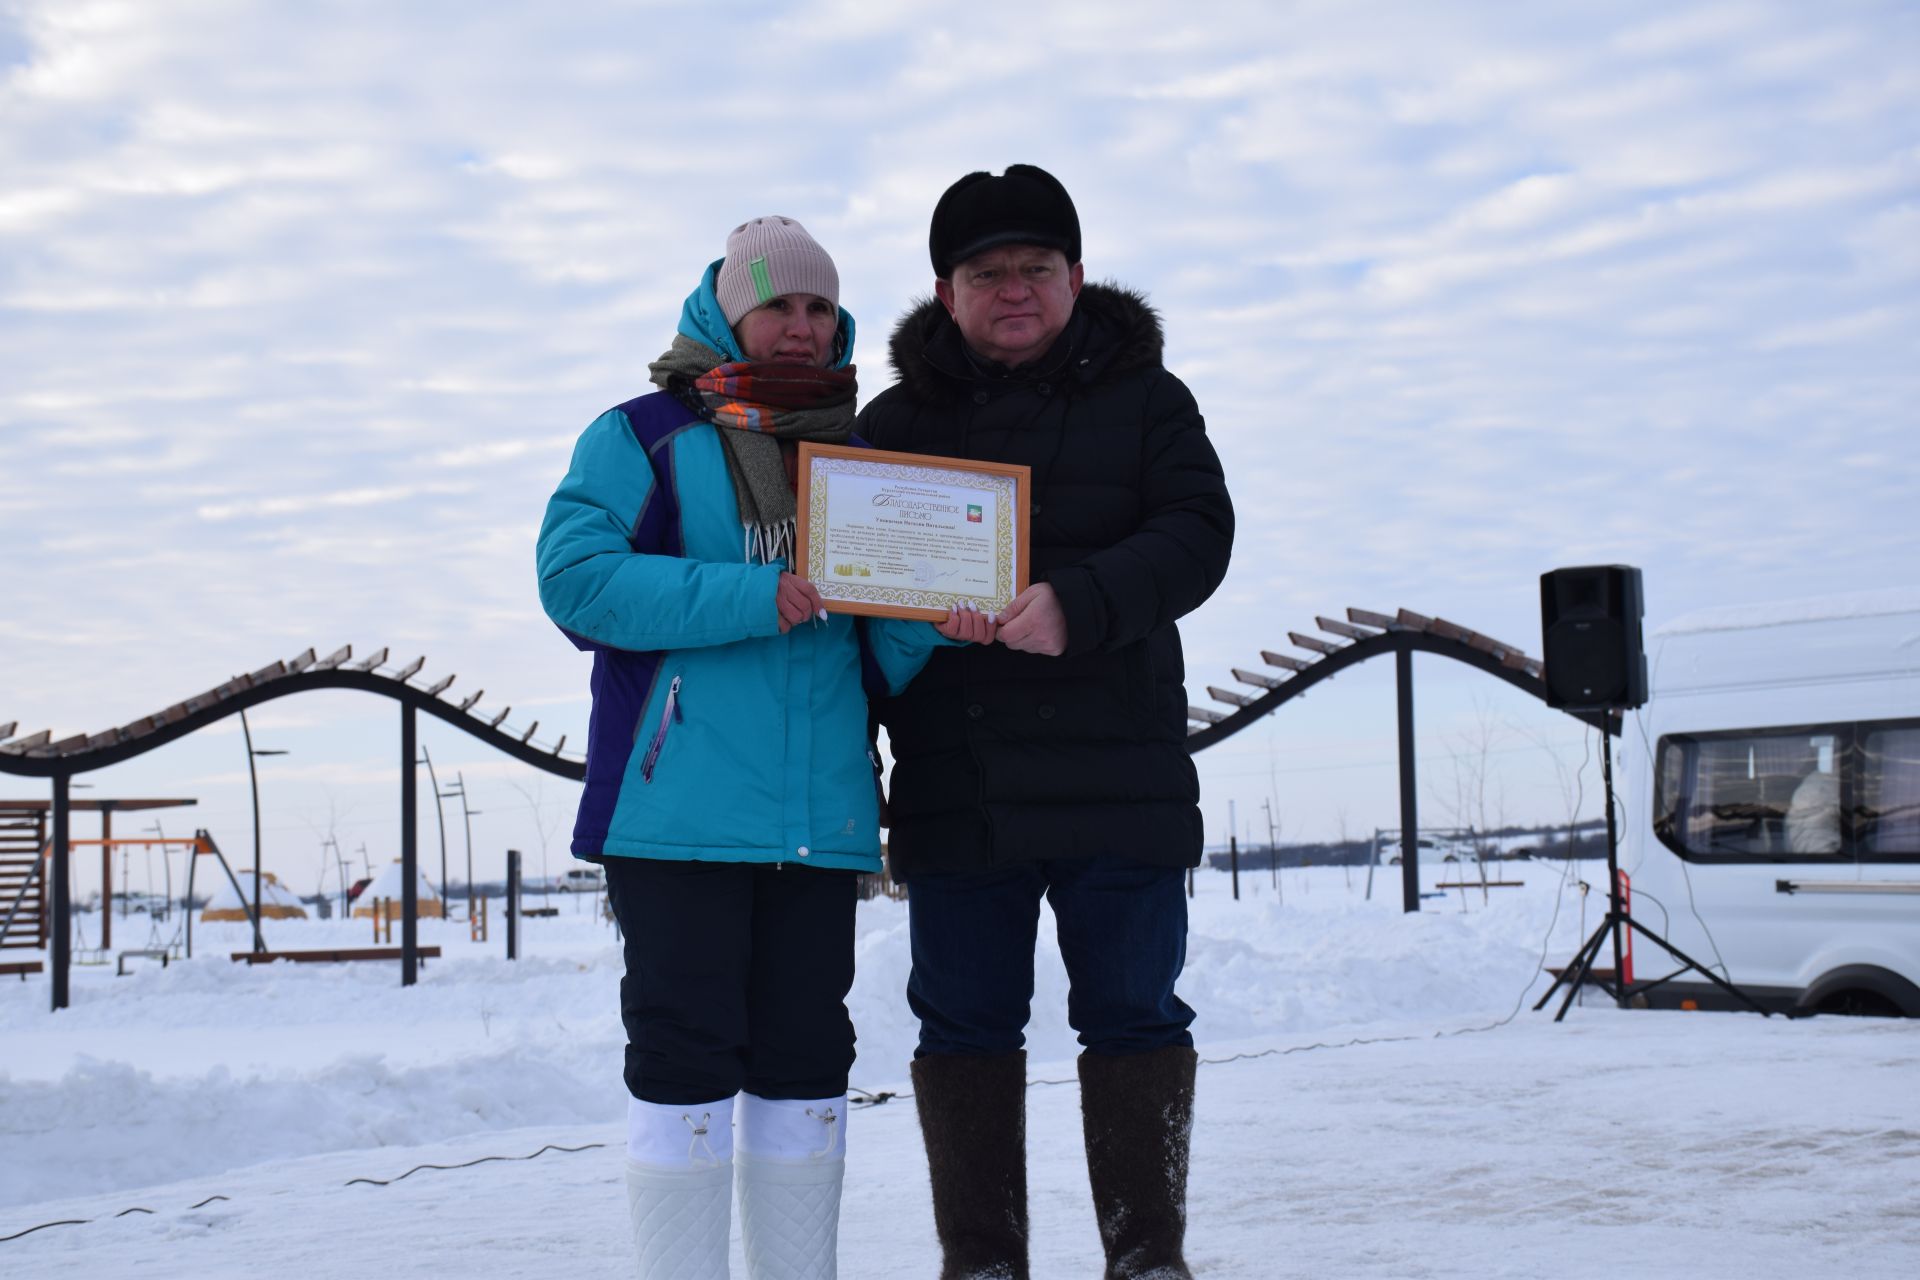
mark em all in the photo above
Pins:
pixel 540 912
pixel 21 967
pixel 334 955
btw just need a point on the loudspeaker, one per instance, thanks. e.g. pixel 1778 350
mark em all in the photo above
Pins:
pixel 1590 638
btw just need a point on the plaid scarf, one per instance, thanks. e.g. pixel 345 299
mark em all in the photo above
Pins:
pixel 764 410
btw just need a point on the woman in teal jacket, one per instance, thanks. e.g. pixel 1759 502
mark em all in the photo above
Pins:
pixel 730 793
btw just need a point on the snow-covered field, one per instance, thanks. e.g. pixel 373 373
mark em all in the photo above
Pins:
pixel 1368 1108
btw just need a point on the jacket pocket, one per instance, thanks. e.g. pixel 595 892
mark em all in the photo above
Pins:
pixel 669 716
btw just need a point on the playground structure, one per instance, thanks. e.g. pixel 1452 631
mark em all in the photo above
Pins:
pixel 23 925
pixel 24 845
pixel 1362 636
pixel 38 755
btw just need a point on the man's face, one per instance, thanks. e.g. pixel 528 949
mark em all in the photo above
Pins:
pixel 1012 302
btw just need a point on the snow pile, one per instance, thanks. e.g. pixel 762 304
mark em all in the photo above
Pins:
pixel 206 1065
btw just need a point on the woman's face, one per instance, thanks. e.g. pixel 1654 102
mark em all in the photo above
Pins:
pixel 794 328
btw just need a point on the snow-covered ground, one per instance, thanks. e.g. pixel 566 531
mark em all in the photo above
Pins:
pixel 1370 1106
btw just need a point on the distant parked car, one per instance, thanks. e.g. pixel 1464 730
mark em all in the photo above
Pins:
pixel 580 880
pixel 1443 849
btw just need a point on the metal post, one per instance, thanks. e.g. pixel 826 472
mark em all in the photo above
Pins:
pixel 409 852
pixel 1409 807
pixel 253 777
pixel 513 904
pixel 62 893
pixel 186 904
pixel 466 817
pixel 440 812
pixel 1233 860
pixel 252 774
pixel 1613 873
pixel 106 878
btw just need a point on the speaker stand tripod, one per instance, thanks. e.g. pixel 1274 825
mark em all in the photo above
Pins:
pixel 1580 969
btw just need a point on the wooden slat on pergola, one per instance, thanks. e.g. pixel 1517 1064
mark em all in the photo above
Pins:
pixel 1360 625
pixel 41 745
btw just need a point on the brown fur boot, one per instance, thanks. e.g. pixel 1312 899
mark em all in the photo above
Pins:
pixel 973 1118
pixel 1138 1113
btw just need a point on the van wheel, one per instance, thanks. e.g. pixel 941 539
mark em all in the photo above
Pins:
pixel 1859 1004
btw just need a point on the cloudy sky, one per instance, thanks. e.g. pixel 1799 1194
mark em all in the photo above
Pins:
pixel 302 305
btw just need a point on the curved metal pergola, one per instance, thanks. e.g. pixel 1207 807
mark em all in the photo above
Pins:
pixel 39 756
pixel 1362 636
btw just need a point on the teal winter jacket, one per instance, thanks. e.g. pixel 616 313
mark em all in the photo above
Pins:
pixel 713 736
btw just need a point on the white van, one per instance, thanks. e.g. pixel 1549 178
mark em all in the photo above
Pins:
pixel 1770 796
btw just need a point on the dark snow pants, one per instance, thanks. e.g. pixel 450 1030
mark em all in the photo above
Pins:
pixel 737 978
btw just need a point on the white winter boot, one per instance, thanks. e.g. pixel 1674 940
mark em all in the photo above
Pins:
pixel 792 1155
pixel 680 1188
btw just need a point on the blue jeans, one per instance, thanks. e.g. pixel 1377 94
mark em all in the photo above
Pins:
pixel 1123 936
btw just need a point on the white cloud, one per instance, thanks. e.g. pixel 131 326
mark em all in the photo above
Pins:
pixel 302 503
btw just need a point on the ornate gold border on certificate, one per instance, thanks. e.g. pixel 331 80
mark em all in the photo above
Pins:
pixel 1008 483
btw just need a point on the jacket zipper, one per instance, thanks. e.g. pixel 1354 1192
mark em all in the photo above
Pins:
pixel 669 716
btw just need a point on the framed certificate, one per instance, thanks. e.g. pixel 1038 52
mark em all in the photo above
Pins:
pixel 910 535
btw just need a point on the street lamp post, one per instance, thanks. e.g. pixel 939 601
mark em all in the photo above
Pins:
pixel 253 776
pixel 439 811
pixel 467 816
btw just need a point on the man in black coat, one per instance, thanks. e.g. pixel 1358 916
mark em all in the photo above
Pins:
pixel 1054 762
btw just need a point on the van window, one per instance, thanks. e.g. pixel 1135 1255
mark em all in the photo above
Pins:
pixel 1888 821
pixel 1804 793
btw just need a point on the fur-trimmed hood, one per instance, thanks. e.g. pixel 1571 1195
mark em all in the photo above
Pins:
pixel 1114 330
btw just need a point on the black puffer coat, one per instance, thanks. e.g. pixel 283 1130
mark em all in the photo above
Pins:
pixel 1001 756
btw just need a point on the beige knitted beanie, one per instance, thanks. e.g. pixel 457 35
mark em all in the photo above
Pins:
pixel 767 257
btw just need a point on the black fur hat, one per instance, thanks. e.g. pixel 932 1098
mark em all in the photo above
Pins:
pixel 1025 205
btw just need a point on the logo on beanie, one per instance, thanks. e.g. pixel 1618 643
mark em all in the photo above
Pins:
pixel 762 282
